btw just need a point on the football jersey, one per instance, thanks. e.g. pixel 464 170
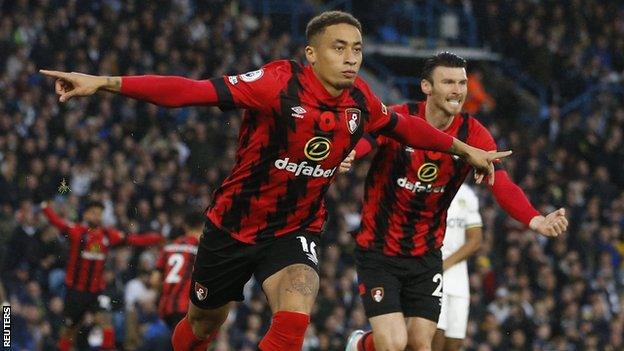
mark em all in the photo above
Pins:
pixel 87 253
pixel 463 214
pixel 176 264
pixel 408 191
pixel 292 139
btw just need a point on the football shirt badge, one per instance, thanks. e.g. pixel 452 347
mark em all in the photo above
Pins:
pixel 354 116
pixel 200 291
pixel 377 294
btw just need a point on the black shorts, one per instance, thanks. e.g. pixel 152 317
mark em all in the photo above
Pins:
pixel 78 303
pixel 223 264
pixel 412 285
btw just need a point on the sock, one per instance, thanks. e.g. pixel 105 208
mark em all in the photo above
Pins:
pixel 366 342
pixel 64 344
pixel 286 332
pixel 108 338
pixel 183 338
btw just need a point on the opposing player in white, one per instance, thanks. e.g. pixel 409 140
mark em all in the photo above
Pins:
pixel 462 238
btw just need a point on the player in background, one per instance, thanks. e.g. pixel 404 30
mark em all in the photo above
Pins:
pixel 407 194
pixel 175 265
pixel 265 219
pixel 462 239
pixel 89 246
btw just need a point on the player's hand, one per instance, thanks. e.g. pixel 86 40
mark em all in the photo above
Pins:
pixel 553 224
pixel 72 84
pixel 346 164
pixel 483 162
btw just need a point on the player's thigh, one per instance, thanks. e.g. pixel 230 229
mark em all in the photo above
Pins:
pixel 458 309
pixel 294 288
pixel 437 344
pixel 288 272
pixel 420 333
pixel 389 331
pixel 378 283
pixel 222 267
pixel 421 299
pixel 421 293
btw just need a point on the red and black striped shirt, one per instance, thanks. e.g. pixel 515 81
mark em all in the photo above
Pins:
pixel 408 191
pixel 176 264
pixel 293 137
pixel 89 249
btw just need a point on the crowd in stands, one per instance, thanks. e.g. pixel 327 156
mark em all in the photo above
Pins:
pixel 565 46
pixel 149 165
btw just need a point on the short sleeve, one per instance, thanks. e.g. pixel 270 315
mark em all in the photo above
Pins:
pixel 473 217
pixel 380 116
pixel 255 89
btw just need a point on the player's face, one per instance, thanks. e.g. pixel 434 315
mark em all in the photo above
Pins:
pixel 448 90
pixel 93 216
pixel 336 56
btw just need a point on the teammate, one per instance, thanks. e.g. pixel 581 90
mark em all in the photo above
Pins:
pixel 89 246
pixel 175 264
pixel 265 219
pixel 462 239
pixel 407 195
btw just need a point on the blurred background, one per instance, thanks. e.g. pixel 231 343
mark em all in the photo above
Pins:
pixel 544 76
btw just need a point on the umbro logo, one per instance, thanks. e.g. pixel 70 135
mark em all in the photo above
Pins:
pixel 298 111
pixel 409 149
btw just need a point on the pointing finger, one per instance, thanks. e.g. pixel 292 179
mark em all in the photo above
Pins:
pixel 55 74
pixel 499 154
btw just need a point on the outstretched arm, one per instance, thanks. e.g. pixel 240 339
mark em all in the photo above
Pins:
pixel 417 133
pixel 145 239
pixel 169 91
pixel 172 91
pixel 54 219
pixel 515 202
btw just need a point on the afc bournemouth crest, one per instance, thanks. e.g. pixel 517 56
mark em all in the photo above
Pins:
pixel 354 116
pixel 200 291
pixel 377 294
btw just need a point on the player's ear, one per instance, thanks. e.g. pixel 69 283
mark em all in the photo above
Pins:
pixel 310 54
pixel 425 86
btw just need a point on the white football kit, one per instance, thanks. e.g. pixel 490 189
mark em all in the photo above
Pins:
pixel 463 214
